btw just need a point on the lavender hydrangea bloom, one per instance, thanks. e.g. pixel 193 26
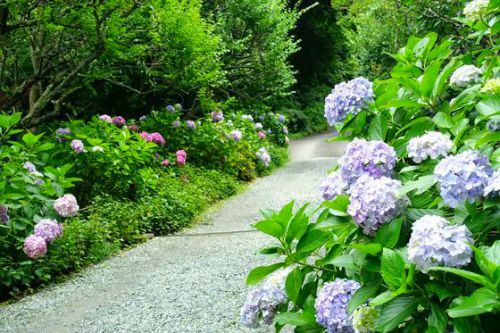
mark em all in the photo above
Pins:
pixel 35 247
pixel 66 205
pixel 217 116
pixel 170 108
pixel 4 214
pixel 281 118
pixel 119 121
pixel 463 177
pixel 435 242
pixel 331 305
pixel 347 97
pixel 374 202
pixel 30 167
pixel 156 138
pixel 493 125
pixel 333 186
pixel 264 156
pixel 236 135
pixel 191 124
pixel 493 187
pixel 431 144
pixel 77 146
pixel 106 118
pixel 374 158
pixel 48 229
pixel 262 302
pixel 465 75
pixel 176 123
pixel 285 130
pixel 63 131
pixel 259 126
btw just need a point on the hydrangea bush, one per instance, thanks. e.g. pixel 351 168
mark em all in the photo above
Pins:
pixel 407 236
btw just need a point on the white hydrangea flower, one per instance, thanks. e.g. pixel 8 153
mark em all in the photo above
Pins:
pixel 431 144
pixel 465 75
pixel 474 9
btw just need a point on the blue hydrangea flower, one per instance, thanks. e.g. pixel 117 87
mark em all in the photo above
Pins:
pixel 333 186
pixel 493 187
pixel 374 158
pixel 281 118
pixel 431 144
pixel 493 125
pixel 435 242
pixel 463 177
pixel 262 302
pixel 347 97
pixel 374 202
pixel 170 108
pixel 331 305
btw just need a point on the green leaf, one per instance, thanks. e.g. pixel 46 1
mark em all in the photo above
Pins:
pixel 298 225
pixel 395 312
pixel 441 290
pixel 388 234
pixel 480 279
pixel 422 184
pixel 393 268
pixel 363 294
pixel 259 273
pixel 489 106
pixel 378 128
pixel 438 318
pixel 466 325
pixel 294 283
pixel 371 248
pixel 481 301
pixel 430 77
pixel 312 239
pixel 443 120
pixel 295 319
pixel 270 227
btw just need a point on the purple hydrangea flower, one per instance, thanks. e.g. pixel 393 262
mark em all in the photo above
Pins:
pixel 170 108
pixel 431 144
pixel 333 186
pixel 156 138
pixel 347 97
pixel 30 167
pixel 463 177
pixel 66 205
pixel 493 125
pixel 236 135
pixel 35 247
pixel 191 124
pixel 374 202
pixel 4 214
pixel 181 157
pixel 262 302
pixel 119 121
pixel 493 187
pixel 106 118
pixel 435 242
pixel 264 156
pixel 176 123
pixel 374 158
pixel 259 126
pixel 217 116
pixel 63 131
pixel 281 118
pixel 48 229
pixel 331 305
pixel 77 146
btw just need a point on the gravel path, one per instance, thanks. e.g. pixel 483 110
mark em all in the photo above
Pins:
pixel 189 282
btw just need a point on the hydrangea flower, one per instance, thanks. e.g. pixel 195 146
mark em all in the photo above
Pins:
pixel 374 158
pixel 465 75
pixel 143 118
pixel 281 118
pixel 106 118
pixel 261 135
pixel 374 202
pixel 492 86
pixel 4 214
pixel 287 140
pixel 264 156
pixel 431 144
pixel 178 106
pixel 191 124
pixel 333 186
pixel 170 108
pixel 262 117
pixel 493 125
pixel 363 319
pixel 48 229
pixel 176 123
pixel 133 128
pixel 493 187
pixel 118 121
pixel 35 247
pixel 181 157
pixel 165 163
pixel 217 116
pixel 66 205
pixel 463 177
pixel 63 131
pixel 474 9
pixel 77 146
pixel 30 167
pixel 156 138
pixel 247 117
pixel 259 126
pixel 262 302
pixel 285 130
pixel 435 242
pixel 236 135
pixel 347 97
pixel 97 149
pixel 331 305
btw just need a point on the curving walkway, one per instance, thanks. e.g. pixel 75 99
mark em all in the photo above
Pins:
pixel 188 282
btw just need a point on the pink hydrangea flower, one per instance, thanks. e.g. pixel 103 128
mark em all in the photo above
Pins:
pixel 133 127
pixel 181 157
pixel 66 205
pixel 119 121
pixel 48 229
pixel 156 138
pixel 35 247
pixel 77 146
pixel 236 135
pixel 144 135
pixel 106 118
pixel 261 135
pixel 165 163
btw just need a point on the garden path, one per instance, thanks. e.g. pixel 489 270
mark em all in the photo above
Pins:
pixel 189 282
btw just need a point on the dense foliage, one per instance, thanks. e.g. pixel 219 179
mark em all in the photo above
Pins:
pixel 406 239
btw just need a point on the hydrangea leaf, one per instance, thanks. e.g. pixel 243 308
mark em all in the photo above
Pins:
pixel 363 294
pixel 259 273
pixel 393 268
pixel 481 301
pixel 395 312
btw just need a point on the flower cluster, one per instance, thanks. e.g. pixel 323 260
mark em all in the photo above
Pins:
pixel 48 229
pixel 191 124
pixel 475 9
pixel 493 125
pixel 331 305
pixel 431 144
pixel 493 187
pixel 77 146
pixel 347 97
pixel 435 242
pixel 247 117
pixel 463 177
pixel 259 126
pixel 465 75
pixel 374 202
pixel 492 86
pixel 262 302
pixel 106 118
pixel 281 118
pixel 66 205
pixel 4 214
pixel 333 185
pixel 133 127
pixel 176 123
pixel 170 108
pixel 153 137
pixel 118 121
pixel 181 157
pixel 236 135
pixel 261 135
pixel 165 163
pixel 363 319
pixel 217 116
pixel 35 247
pixel 97 149
pixel 34 173
pixel 264 156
